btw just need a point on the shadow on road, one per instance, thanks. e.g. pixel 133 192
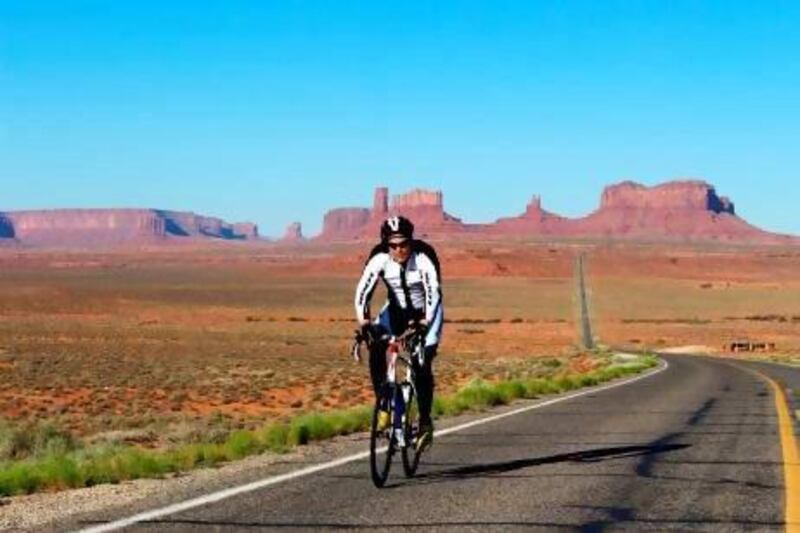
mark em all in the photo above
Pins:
pixel 587 456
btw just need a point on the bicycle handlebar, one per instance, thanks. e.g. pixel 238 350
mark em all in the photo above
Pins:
pixel 372 333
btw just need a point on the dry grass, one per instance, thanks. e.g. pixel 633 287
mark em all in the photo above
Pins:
pixel 154 352
pixel 674 298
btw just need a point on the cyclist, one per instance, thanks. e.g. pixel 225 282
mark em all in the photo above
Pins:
pixel 410 270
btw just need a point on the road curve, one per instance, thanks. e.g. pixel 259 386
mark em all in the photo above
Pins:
pixel 695 447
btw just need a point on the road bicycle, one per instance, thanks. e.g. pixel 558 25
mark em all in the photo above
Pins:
pixel 397 398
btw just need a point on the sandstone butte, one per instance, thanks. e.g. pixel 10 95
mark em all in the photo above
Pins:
pixel 681 210
pixel 105 227
pixel 293 233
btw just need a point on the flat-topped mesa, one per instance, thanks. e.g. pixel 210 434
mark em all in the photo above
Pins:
pixel 426 209
pixel 345 222
pixel 678 210
pixel 87 228
pixel 83 227
pixel 417 198
pixel 187 224
pixel 293 233
pixel 245 230
pixel 675 195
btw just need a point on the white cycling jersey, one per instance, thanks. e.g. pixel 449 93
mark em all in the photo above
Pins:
pixel 417 282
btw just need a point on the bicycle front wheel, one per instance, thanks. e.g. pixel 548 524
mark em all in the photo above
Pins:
pixel 380 463
pixel 411 428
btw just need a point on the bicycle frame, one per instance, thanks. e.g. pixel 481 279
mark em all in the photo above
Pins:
pixel 396 395
pixel 407 385
pixel 403 348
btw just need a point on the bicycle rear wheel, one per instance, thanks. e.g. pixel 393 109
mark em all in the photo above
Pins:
pixel 410 429
pixel 380 463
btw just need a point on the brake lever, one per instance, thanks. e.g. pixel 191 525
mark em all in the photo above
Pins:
pixel 356 352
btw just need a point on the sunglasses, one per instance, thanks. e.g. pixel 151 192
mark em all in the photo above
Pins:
pixel 396 245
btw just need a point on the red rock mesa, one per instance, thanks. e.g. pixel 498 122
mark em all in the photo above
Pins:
pixel 100 227
pixel 684 210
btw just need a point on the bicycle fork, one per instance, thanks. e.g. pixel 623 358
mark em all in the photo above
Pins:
pixel 400 395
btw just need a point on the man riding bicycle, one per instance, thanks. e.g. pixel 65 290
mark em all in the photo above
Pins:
pixel 410 270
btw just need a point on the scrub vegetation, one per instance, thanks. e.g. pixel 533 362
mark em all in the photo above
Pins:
pixel 41 458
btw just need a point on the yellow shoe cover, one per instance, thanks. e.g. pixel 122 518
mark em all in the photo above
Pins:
pixel 383 420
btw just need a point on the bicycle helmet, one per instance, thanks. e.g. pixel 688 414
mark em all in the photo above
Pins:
pixel 396 226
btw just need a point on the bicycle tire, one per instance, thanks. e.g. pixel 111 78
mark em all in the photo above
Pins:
pixel 409 452
pixel 379 469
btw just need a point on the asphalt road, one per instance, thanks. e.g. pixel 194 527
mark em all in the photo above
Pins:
pixel 787 376
pixel 694 447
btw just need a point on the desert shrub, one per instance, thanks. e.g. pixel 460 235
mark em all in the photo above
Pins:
pixel 479 393
pixel 59 471
pixel 551 363
pixel 511 390
pixel 309 427
pixel 36 439
pixel 192 455
pixel 351 420
pixel 241 444
pixel 275 437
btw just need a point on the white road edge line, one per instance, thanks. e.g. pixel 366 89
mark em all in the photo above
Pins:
pixel 274 480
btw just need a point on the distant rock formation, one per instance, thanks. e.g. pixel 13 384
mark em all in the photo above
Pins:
pixel 186 224
pixel 293 233
pixel 86 227
pixel 380 205
pixel 424 207
pixel 417 198
pixel 102 227
pixel 6 227
pixel 345 222
pixel 675 195
pixel 534 220
pixel 245 230
pixel 682 210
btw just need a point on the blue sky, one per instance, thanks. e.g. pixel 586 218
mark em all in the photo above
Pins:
pixel 274 111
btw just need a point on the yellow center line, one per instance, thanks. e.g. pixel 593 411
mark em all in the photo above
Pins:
pixel 791 453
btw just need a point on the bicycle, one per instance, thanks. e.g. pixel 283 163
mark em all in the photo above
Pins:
pixel 397 397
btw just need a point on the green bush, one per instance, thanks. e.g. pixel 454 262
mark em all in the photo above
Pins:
pixel 241 444
pixel 18 478
pixel 60 471
pixel 511 390
pixel 275 437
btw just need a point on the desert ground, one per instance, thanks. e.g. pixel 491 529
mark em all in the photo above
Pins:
pixel 659 298
pixel 162 346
